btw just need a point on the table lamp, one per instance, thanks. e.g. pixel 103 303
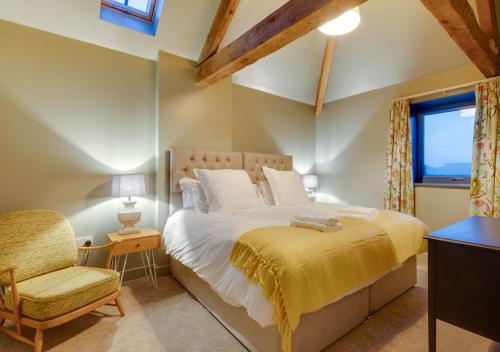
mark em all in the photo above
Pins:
pixel 310 183
pixel 128 186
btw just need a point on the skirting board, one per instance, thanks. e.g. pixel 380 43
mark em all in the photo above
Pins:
pixel 316 330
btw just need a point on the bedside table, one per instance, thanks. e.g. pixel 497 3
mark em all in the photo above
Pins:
pixel 146 242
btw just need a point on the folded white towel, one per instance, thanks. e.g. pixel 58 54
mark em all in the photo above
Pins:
pixel 358 212
pixel 316 226
pixel 328 221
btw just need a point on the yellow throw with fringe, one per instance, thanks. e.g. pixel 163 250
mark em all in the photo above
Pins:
pixel 302 270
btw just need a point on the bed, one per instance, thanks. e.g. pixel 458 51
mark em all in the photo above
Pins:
pixel 245 315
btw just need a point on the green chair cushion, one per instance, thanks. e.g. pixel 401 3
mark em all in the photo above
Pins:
pixel 59 292
pixel 35 242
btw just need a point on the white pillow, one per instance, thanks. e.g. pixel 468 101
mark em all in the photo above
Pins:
pixel 192 195
pixel 265 193
pixel 227 190
pixel 286 186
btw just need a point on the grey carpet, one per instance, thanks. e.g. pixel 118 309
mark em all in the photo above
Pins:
pixel 169 319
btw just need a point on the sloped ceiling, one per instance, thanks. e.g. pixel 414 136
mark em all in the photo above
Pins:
pixel 397 41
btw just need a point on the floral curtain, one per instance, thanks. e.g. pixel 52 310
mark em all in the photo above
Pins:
pixel 399 193
pixel 485 175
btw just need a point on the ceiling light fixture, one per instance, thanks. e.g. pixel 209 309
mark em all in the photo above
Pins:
pixel 345 23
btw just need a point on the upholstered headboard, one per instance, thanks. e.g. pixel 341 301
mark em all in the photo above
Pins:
pixel 253 163
pixel 183 161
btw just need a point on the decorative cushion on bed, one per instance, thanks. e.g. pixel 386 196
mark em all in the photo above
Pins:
pixel 286 186
pixel 35 242
pixel 51 295
pixel 192 195
pixel 227 190
pixel 265 193
pixel 187 195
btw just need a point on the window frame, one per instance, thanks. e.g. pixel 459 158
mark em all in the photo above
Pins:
pixel 126 10
pixel 417 112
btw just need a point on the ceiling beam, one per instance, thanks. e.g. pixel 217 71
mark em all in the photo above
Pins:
pixel 220 24
pixel 291 21
pixel 331 43
pixel 458 19
pixel 488 18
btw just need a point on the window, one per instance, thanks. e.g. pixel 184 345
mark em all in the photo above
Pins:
pixel 139 15
pixel 442 139
pixel 142 9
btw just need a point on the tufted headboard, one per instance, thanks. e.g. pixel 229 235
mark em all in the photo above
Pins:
pixel 253 163
pixel 183 161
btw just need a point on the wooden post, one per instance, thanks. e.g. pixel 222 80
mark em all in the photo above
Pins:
pixel 331 43
pixel 220 24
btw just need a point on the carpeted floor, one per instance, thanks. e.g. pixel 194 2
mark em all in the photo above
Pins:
pixel 169 319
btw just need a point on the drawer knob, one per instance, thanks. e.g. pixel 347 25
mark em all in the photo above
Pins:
pixel 137 245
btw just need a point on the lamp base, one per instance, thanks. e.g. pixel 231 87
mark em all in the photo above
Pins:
pixel 129 217
pixel 128 230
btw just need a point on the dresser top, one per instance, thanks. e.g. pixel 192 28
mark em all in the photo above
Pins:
pixel 476 231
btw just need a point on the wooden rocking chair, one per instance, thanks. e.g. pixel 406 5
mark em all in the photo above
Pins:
pixel 40 285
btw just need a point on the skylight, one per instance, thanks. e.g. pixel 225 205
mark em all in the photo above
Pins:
pixel 141 5
pixel 139 15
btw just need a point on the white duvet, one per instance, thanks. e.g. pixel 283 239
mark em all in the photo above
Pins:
pixel 203 242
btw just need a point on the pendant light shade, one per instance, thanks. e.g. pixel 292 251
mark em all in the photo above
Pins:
pixel 345 23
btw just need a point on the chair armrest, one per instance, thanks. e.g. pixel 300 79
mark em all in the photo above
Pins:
pixel 16 301
pixel 92 248
pixel 9 269
pixel 87 249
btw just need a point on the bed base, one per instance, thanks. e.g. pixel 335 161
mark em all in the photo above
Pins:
pixel 316 330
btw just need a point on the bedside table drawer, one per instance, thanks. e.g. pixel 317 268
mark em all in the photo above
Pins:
pixel 136 245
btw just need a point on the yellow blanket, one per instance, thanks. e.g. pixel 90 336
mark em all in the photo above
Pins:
pixel 302 270
pixel 405 231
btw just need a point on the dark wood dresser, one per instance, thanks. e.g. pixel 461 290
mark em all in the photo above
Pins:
pixel 464 277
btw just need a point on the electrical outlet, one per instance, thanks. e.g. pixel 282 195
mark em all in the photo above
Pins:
pixel 80 241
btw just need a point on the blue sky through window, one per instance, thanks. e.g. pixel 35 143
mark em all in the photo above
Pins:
pixel 141 5
pixel 448 142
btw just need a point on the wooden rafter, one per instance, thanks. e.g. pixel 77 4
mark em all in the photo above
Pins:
pixel 458 19
pixel 220 24
pixel 488 19
pixel 331 43
pixel 288 23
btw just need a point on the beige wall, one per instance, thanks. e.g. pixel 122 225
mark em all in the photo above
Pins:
pixel 270 124
pixel 440 207
pixel 350 150
pixel 189 117
pixel 72 115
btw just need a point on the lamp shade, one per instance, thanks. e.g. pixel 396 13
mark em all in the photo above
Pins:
pixel 128 185
pixel 310 181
